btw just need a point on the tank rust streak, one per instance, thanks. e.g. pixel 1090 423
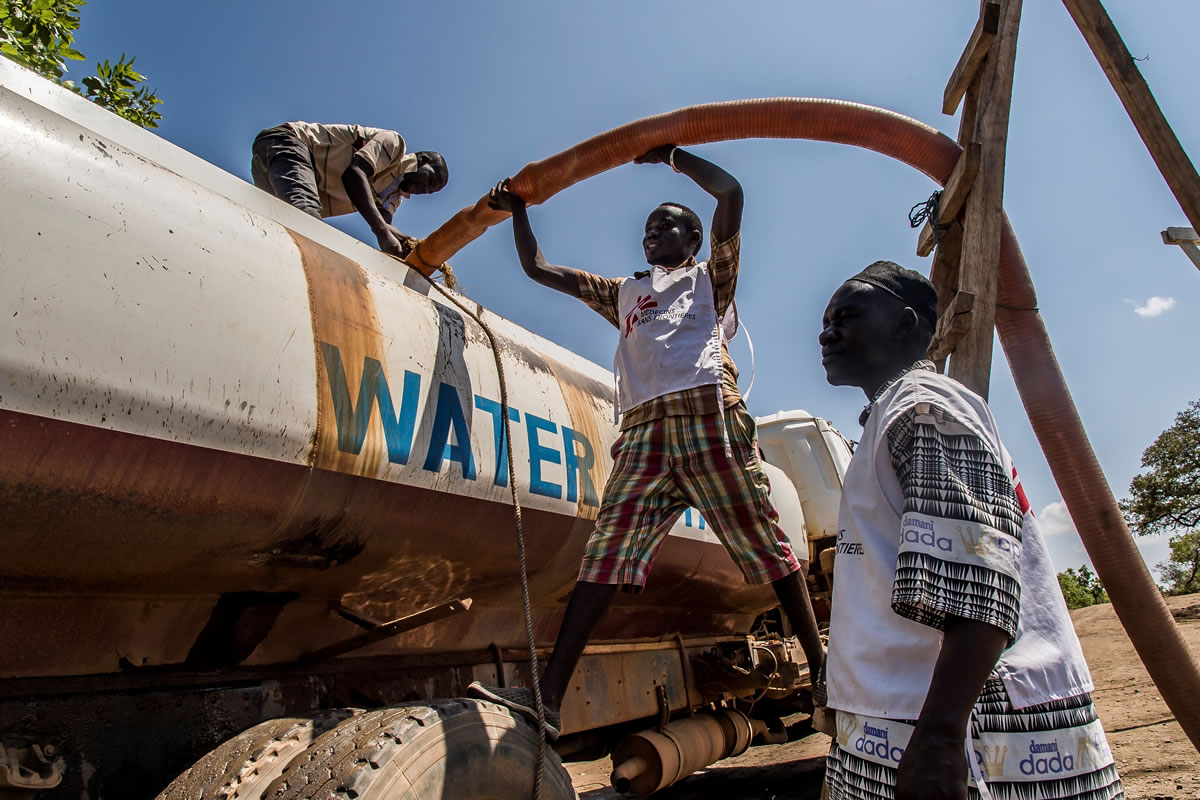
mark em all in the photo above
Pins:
pixel 584 408
pixel 343 311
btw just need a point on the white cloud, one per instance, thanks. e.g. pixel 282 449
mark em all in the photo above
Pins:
pixel 1154 306
pixel 1062 540
pixel 1055 520
pixel 1066 548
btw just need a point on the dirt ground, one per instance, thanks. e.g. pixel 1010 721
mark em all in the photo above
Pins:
pixel 1154 757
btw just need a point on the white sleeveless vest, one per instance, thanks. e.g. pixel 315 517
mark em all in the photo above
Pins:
pixel 881 664
pixel 669 338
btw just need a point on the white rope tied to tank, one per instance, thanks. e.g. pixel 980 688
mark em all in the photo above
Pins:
pixel 512 483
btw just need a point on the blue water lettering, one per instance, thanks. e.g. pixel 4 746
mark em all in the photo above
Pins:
pixel 352 421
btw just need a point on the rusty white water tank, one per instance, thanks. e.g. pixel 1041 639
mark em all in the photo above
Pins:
pixel 205 393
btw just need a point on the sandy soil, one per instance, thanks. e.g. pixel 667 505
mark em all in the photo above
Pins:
pixel 1154 757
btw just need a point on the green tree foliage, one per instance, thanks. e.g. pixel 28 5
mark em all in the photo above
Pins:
pixel 39 34
pixel 1181 571
pixel 1081 588
pixel 1165 498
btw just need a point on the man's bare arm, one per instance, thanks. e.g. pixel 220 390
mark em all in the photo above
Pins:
pixel 727 219
pixel 564 279
pixel 934 766
pixel 357 180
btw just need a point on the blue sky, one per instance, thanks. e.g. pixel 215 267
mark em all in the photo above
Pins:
pixel 496 85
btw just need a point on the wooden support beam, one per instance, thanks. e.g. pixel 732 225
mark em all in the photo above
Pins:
pixel 925 243
pixel 1187 239
pixel 1096 26
pixel 958 186
pixel 1180 236
pixel 971 363
pixel 972 56
pixel 944 274
pixel 960 182
pixel 952 325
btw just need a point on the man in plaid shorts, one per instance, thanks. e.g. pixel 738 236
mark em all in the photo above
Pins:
pixel 686 436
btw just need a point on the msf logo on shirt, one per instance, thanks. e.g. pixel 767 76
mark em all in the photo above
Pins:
pixel 1022 500
pixel 644 303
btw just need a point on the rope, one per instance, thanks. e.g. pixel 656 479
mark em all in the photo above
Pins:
pixel 408 247
pixel 928 210
pixel 512 483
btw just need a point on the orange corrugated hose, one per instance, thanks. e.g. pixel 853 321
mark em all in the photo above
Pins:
pixel 1039 381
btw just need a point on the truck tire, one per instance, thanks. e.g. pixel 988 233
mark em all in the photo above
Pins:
pixel 243 766
pixel 461 749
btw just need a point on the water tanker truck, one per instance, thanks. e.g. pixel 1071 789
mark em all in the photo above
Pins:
pixel 256 531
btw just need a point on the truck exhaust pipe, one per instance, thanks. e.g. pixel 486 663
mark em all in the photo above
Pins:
pixel 654 759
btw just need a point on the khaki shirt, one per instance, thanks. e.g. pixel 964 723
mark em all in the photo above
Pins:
pixel 333 146
pixel 601 294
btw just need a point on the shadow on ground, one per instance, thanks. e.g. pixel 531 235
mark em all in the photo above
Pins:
pixel 792 780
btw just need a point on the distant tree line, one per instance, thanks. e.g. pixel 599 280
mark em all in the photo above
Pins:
pixel 1081 588
pixel 1163 499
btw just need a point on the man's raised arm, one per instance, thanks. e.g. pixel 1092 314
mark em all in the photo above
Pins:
pixel 564 279
pixel 727 219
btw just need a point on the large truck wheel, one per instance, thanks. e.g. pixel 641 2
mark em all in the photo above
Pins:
pixel 468 749
pixel 243 766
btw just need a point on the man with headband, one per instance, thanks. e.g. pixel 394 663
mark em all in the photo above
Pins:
pixel 953 670
pixel 330 170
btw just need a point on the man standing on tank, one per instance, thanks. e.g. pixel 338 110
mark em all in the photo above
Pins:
pixel 330 170
pixel 686 437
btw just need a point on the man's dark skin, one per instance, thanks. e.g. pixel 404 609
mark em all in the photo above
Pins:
pixel 867 337
pixel 357 180
pixel 668 242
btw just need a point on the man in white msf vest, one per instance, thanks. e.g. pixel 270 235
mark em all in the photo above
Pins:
pixel 953 669
pixel 686 437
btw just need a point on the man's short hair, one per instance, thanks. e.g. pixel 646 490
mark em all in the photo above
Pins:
pixel 691 218
pixel 439 167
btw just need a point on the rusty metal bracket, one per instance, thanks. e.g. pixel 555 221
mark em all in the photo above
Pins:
pixel 388 630
pixel 664 705
pixel 685 665
pixel 350 615
pixel 29 767
pixel 498 659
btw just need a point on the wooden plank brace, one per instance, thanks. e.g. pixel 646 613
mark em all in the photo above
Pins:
pixel 958 186
pixel 972 57
pixel 954 322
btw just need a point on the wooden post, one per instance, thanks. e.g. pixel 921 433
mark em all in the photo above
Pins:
pixel 1096 26
pixel 972 56
pixel 954 322
pixel 971 363
pixel 958 186
pixel 1187 239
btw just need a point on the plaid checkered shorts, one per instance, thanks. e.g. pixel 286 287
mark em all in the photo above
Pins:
pixel 664 466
